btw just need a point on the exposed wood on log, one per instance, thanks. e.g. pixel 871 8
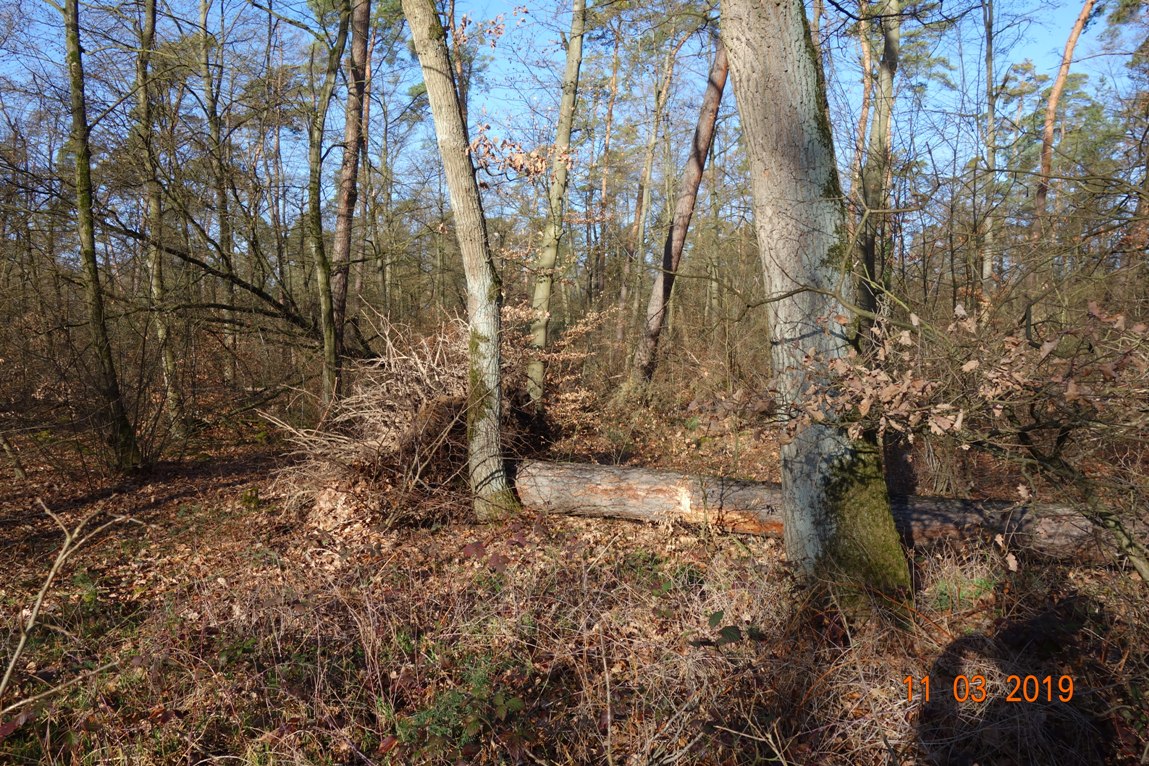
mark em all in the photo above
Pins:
pixel 643 494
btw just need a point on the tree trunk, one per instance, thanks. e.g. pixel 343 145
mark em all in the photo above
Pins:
pixel 596 282
pixel 121 437
pixel 645 355
pixel 219 171
pixel 1041 196
pixel 492 494
pixel 636 238
pixel 353 138
pixel 877 163
pixel 834 501
pixel 866 57
pixel 332 352
pixel 556 204
pixel 643 494
pixel 173 399
pixel 989 233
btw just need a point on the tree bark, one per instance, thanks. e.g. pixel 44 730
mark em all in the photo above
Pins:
pixel 636 238
pixel 556 206
pixel 1041 196
pixel 219 162
pixel 323 269
pixel 492 493
pixel 120 434
pixel 645 358
pixel 866 57
pixel 173 398
pixel 989 224
pixel 643 494
pixel 877 163
pixel 353 143
pixel 835 506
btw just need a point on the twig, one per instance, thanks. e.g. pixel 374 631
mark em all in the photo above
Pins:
pixel 609 713
pixel 58 687
pixel 767 740
pixel 72 542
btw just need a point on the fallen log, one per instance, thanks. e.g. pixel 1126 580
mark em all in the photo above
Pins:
pixel 644 494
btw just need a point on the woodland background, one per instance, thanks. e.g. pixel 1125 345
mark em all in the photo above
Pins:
pixel 304 583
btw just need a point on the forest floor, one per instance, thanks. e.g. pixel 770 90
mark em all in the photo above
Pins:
pixel 211 625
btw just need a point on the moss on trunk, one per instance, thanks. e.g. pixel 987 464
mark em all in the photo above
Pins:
pixel 864 550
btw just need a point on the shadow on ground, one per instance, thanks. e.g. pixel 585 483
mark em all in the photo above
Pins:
pixel 990 702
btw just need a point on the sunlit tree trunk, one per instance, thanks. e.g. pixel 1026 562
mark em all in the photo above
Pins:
pixel 121 436
pixel 349 171
pixel 656 310
pixel 1041 196
pixel 836 509
pixel 556 205
pixel 491 492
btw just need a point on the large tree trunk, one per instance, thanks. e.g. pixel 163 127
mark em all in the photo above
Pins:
pixel 113 414
pixel 492 494
pixel 556 206
pixel 644 494
pixel 645 355
pixel 349 171
pixel 835 506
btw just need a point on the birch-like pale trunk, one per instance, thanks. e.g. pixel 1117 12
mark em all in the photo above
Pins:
pixel 113 414
pixel 836 508
pixel 556 210
pixel 348 194
pixel 315 245
pixel 645 356
pixel 492 494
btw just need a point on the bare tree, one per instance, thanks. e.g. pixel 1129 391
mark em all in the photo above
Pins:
pixel 492 494
pixel 636 237
pixel 173 399
pixel 835 506
pixel 876 167
pixel 556 206
pixel 318 250
pixel 353 142
pixel 656 310
pixel 1041 196
pixel 121 435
